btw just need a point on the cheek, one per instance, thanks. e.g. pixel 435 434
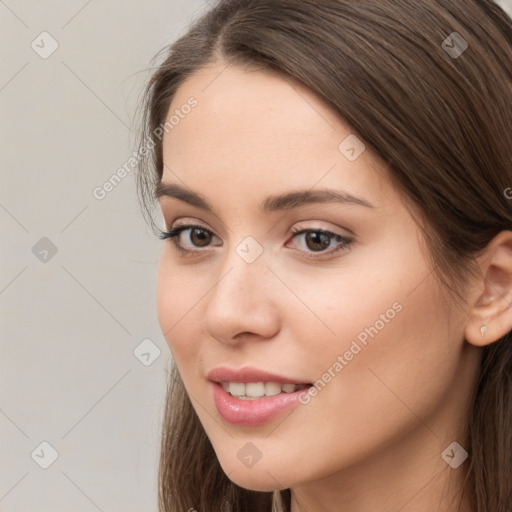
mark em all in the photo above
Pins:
pixel 178 296
pixel 381 328
pixel 397 356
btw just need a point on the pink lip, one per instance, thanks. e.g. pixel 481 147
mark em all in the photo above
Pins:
pixel 251 412
pixel 249 374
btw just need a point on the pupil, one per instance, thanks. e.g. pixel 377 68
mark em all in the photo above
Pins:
pixel 201 237
pixel 317 238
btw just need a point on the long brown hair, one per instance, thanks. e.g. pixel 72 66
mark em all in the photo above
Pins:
pixel 441 121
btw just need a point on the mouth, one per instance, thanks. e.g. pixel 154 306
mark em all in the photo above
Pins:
pixel 257 390
pixel 248 404
pixel 250 396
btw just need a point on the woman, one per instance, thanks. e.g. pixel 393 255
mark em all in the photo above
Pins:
pixel 335 284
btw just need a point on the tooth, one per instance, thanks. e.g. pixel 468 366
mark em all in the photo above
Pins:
pixel 288 388
pixel 272 388
pixel 225 385
pixel 255 389
pixel 237 388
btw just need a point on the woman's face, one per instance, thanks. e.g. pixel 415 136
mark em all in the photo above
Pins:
pixel 336 293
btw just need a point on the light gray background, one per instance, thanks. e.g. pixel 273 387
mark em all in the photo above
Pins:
pixel 70 324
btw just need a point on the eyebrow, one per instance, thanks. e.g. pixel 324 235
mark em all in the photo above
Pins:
pixel 276 203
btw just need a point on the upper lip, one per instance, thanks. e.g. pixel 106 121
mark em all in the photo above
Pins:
pixel 249 374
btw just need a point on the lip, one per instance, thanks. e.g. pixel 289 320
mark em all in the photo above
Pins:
pixel 251 412
pixel 249 374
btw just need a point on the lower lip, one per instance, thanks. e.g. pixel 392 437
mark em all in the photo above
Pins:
pixel 253 412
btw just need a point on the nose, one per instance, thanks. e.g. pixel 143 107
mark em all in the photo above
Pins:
pixel 241 303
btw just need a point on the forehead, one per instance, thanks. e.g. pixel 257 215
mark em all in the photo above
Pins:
pixel 250 103
pixel 254 128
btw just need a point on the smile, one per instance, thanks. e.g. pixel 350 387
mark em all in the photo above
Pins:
pixel 255 390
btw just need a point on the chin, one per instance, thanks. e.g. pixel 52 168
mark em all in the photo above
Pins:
pixel 261 482
pixel 257 478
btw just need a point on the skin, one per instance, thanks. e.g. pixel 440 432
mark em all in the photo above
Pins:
pixel 372 438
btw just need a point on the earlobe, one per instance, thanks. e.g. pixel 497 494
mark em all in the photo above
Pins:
pixel 491 316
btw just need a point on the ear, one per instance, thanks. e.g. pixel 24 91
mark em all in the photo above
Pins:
pixel 491 315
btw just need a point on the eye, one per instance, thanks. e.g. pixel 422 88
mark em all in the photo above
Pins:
pixel 313 240
pixel 319 241
pixel 198 236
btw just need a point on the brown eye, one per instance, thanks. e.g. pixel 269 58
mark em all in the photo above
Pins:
pixel 189 238
pixel 200 237
pixel 317 241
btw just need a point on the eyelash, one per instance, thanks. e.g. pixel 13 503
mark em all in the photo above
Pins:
pixel 173 235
